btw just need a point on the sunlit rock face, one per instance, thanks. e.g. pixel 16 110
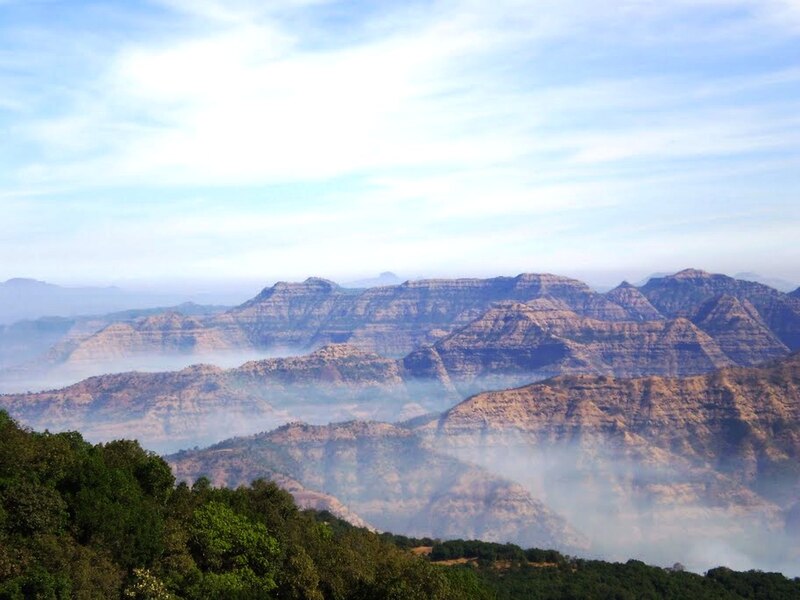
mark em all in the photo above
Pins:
pixel 643 465
pixel 513 329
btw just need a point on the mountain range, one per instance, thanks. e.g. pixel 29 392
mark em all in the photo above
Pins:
pixel 512 329
pixel 649 421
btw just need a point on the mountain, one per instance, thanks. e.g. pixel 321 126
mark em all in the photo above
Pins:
pixel 739 330
pixel 391 320
pixel 744 422
pixel 22 298
pixel 634 302
pixel 202 403
pixel 654 458
pixel 684 292
pixel 385 475
pixel 515 343
pixel 482 332
pixel 32 352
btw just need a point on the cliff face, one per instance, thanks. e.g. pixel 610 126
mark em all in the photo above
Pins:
pixel 739 330
pixel 635 303
pixel 385 475
pixel 287 315
pixel 741 422
pixel 391 320
pixel 652 466
pixel 165 333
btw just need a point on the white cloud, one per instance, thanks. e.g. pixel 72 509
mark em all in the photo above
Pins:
pixel 450 117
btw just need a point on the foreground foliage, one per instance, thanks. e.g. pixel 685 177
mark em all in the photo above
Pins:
pixel 107 521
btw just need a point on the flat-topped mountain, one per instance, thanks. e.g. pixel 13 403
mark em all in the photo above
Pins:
pixel 396 320
pixel 386 476
pixel 392 320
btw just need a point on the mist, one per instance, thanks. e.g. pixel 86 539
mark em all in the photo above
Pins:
pixel 658 513
pixel 174 402
pixel 37 376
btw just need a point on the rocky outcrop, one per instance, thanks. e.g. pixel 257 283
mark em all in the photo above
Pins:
pixel 385 475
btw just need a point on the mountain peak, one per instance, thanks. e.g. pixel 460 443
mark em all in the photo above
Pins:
pixel 25 282
pixel 320 282
pixel 634 302
pixel 691 274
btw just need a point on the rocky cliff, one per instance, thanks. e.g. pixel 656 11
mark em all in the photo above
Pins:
pixel 743 423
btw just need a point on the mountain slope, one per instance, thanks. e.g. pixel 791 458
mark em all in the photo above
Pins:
pixel 682 294
pixel 515 343
pixel 202 403
pixel 739 330
pixel 649 466
pixel 385 475
pixel 744 422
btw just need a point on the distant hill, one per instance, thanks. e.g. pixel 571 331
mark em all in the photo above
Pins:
pixel 385 278
pixel 22 298
pixel 778 283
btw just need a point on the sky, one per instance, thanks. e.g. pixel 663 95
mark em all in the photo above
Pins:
pixel 202 140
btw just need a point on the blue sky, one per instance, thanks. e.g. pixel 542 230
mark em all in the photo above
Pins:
pixel 255 141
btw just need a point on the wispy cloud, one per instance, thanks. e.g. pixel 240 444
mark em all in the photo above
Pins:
pixel 378 126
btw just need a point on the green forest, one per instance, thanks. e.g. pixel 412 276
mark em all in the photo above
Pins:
pixel 84 521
